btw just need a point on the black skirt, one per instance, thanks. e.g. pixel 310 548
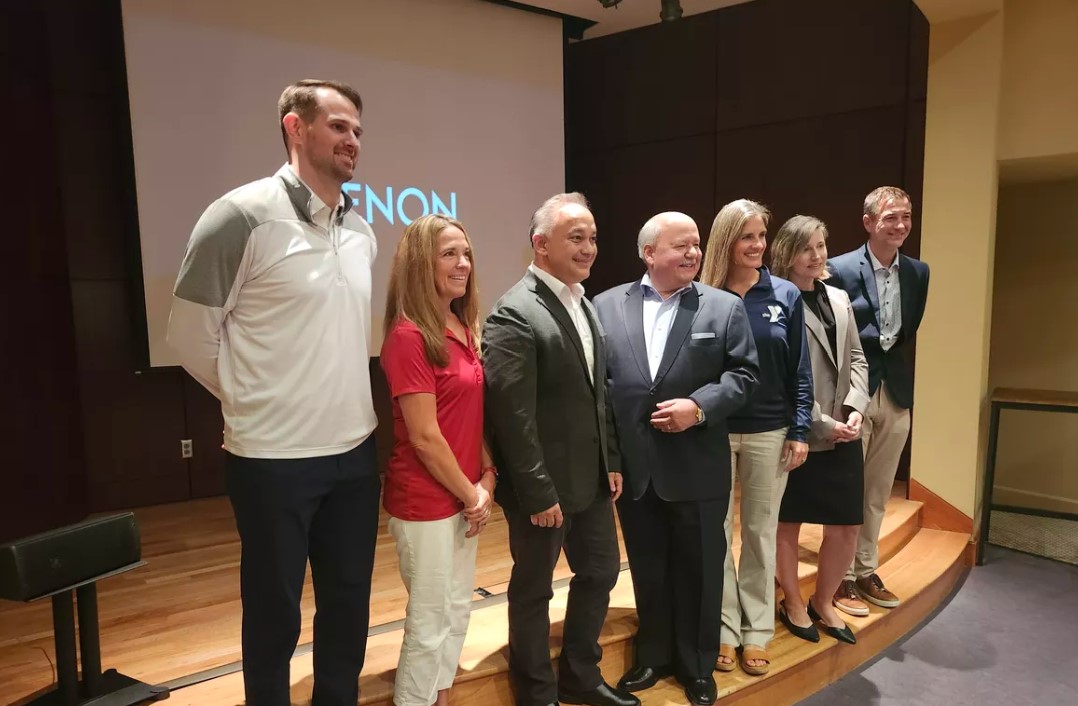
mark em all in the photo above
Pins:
pixel 828 489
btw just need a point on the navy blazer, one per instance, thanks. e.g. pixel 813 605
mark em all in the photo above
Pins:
pixel 853 273
pixel 710 357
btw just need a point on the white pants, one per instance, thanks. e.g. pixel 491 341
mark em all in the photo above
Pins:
pixel 437 565
pixel 748 592
pixel 883 436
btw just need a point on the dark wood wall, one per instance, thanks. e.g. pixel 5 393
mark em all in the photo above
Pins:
pixel 43 473
pixel 804 105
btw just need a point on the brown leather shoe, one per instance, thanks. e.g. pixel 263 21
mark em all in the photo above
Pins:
pixel 847 600
pixel 872 590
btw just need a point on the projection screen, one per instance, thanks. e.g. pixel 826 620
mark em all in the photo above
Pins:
pixel 462 115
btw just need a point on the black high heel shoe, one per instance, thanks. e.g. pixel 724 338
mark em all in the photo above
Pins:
pixel 809 633
pixel 842 634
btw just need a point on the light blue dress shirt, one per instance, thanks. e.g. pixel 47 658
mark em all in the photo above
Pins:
pixel 889 292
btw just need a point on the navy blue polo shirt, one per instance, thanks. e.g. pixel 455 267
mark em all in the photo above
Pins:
pixel 784 396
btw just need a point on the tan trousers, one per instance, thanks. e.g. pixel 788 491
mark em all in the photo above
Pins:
pixel 748 593
pixel 437 565
pixel 883 437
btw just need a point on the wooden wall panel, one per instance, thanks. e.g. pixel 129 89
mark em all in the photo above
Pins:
pixel 93 221
pixel 917 68
pixel 913 171
pixel 821 166
pixel 628 185
pixel 43 482
pixel 204 426
pixel 781 60
pixel 133 422
pixel 653 83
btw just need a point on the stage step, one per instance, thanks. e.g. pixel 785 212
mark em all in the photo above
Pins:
pixel 923 573
pixel 915 561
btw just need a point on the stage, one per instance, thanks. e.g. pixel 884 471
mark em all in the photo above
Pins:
pixel 177 620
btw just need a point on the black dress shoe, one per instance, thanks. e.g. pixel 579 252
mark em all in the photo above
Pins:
pixel 842 634
pixel 639 678
pixel 809 633
pixel 603 695
pixel 701 691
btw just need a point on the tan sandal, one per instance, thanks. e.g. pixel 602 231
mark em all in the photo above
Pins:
pixel 752 652
pixel 730 653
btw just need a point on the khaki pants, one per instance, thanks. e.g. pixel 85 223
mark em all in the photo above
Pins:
pixel 748 595
pixel 883 437
pixel 437 565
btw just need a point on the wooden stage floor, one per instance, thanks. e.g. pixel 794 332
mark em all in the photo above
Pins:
pixel 180 614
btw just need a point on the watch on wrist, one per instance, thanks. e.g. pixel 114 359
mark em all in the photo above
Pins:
pixel 699 415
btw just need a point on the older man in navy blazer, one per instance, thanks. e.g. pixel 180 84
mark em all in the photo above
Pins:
pixel 680 359
pixel 888 291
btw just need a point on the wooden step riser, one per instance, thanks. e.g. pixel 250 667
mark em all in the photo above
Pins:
pixel 809 676
pixel 494 689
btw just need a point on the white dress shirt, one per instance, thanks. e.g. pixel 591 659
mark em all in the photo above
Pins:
pixel 889 292
pixel 570 296
pixel 659 315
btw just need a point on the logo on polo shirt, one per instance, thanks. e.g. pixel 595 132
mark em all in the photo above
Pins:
pixel 774 311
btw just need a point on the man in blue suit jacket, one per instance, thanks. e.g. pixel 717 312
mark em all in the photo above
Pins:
pixel 680 359
pixel 888 291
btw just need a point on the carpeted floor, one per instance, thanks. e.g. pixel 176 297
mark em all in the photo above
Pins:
pixel 1008 636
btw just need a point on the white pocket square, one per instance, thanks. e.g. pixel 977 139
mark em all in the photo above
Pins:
pixel 703 334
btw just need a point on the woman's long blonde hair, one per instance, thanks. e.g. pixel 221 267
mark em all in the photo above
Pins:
pixel 725 230
pixel 413 295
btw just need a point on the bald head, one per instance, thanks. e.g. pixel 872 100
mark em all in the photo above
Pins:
pixel 669 245
pixel 649 234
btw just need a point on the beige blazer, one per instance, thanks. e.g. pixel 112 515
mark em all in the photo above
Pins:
pixel 836 383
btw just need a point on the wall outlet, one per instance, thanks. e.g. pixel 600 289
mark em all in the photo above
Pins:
pixel 187 448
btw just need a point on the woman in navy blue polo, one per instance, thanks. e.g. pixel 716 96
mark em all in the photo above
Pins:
pixel 768 436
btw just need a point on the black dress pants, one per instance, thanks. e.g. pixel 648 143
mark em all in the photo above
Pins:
pixel 591 548
pixel 676 552
pixel 324 509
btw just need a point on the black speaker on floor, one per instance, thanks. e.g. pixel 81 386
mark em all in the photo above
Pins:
pixel 62 564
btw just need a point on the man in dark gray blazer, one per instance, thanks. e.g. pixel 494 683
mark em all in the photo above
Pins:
pixel 553 442
pixel 888 292
pixel 680 359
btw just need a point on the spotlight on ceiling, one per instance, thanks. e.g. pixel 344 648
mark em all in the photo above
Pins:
pixel 671 9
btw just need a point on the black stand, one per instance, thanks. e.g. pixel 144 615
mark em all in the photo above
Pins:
pixel 96 688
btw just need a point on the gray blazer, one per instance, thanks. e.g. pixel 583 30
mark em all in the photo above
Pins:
pixel 836 383
pixel 550 431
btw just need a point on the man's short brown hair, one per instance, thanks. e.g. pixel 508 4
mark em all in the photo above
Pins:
pixel 874 201
pixel 301 98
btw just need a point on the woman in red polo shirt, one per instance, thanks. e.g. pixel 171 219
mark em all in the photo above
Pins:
pixel 440 481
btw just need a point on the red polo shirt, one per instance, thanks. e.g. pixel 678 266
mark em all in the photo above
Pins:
pixel 411 492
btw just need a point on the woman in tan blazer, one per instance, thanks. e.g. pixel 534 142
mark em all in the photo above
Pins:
pixel 828 489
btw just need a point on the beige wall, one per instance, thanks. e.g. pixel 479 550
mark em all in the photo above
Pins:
pixel 1034 344
pixel 958 228
pixel 1001 93
pixel 1039 113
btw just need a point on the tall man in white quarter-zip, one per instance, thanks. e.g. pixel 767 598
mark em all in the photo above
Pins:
pixel 271 313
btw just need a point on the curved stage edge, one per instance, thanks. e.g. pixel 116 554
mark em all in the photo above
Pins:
pixel 921 565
